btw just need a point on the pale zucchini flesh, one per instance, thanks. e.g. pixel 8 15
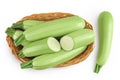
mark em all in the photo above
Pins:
pixel 67 43
pixel 53 44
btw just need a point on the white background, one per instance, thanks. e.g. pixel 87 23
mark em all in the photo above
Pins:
pixel 13 10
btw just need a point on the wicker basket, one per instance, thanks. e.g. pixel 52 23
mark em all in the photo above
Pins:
pixel 48 17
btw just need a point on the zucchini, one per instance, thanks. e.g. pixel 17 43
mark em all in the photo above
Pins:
pixel 51 60
pixel 25 43
pixel 26 24
pixel 17 34
pixel 55 28
pixel 77 39
pixel 13 33
pixel 48 45
pixel 105 28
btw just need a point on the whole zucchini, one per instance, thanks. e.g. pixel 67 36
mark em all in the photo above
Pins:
pixel 53 28
pixel 105 28
pixel 51 60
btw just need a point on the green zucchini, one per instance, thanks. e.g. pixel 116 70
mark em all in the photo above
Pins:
pixel 51 60
pixel 105 28
pixel 53 28
pixel 25 43
pixel 17 34
pixel 77 39
pixel 13 33
pixel 48 45
pixel 26 24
